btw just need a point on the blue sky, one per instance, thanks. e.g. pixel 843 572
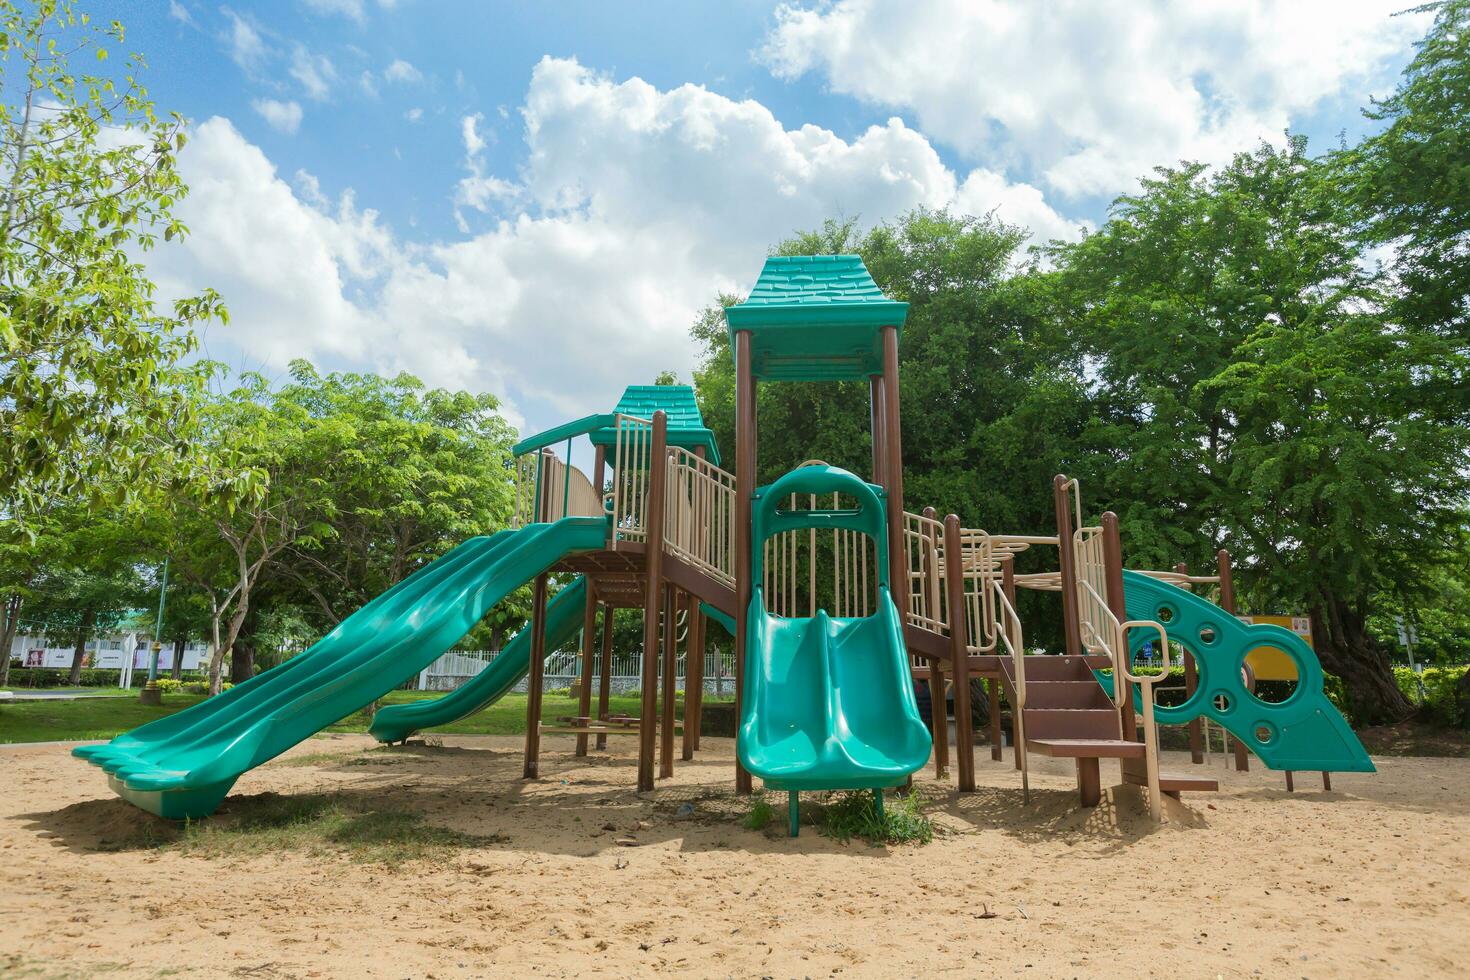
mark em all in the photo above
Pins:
pixel 536 199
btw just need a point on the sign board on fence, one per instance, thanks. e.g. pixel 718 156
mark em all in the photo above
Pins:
pixel 1269 663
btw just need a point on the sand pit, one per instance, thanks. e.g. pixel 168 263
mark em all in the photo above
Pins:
pixel 575 875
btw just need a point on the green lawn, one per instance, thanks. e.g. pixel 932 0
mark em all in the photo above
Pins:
pixel 43 721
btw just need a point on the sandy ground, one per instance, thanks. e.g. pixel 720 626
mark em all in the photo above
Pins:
pixel 1369 880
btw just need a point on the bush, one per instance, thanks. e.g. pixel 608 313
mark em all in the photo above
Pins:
pixel 58 677
pixel 1440 705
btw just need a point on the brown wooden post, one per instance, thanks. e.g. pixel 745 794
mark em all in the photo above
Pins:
pixel 893 467
pixel 959 646
pixel 693 678
pixel 1227 603
pixel 1196 727
pixel 1113 580
pixel 604 683
pixel 589 618
pixel 653 598
pixel 1008 586
pixel 745 459
pixel 876 398
pixel 671 669
pixel 535 680
pixel 1067 564
pixel 589 654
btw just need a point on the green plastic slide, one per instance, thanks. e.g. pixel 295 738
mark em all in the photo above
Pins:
pixel 1303 732
pixel 828 701
pixel 563 621
pixel 182 766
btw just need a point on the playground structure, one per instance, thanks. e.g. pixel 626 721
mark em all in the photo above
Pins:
pixel 838 597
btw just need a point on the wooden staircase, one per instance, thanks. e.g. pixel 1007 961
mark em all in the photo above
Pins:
pixel 1068 715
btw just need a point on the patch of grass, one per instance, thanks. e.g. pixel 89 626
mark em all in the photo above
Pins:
pixel 761 814
pixel 323 824
pixel 853 814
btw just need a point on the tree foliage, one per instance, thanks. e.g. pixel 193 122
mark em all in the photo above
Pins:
pixel 94 388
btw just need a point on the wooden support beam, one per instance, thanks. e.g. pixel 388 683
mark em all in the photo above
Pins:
pixel 954 579
pixel 604 682
pixel 938 702
pixel 671 670
pixel 893 465
pixel 745 475
pixel 693 678
pixel 1067 563
pixel 535 680
pixel 589 654
pixel 876 399
pixel 653 565
pixel 1196 727
pixel 1227 603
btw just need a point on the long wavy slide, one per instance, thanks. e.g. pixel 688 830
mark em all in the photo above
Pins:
pixel 828 701
pixel 182 766
pixel 563 621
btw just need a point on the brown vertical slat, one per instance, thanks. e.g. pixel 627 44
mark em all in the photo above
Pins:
pixel 954 578
pixel 653 565
pixel 938 702
pixel 745 470
pixel 535 680
pixel 893 456
pixel 693 678
pixel 1195 727
pixel 1227 603
pixel 1067 563
pixel 604 683
pixel 1113 580
pixel 876 399
pixel 589 653
pixel 671 669
pixel 1008 585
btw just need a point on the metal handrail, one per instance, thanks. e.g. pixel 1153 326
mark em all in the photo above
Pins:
pixel 923 541
pixel 632 449
pixel 1009 633
pixel 1146 684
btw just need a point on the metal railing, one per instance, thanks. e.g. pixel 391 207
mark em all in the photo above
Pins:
pixel 795 566
pixel 1009 635
pixel 699 514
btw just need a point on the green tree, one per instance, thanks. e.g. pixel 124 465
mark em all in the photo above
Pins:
pixel 1412 179
pixel 1256 395
pixel 94 391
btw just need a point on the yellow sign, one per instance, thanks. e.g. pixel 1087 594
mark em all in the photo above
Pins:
pixel 1269 663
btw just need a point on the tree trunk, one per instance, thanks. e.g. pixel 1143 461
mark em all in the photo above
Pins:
pixel 1348 651
pixel 1462 700
pixel 79 653
pixel 177 670
pixel 242 659
pixel 8 630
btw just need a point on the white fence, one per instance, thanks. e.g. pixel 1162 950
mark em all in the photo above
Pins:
pixel 565 667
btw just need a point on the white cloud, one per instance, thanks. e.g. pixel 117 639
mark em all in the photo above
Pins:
pixel 179 12
pixel 634 207
pixel 315 72
pixel 414 115
pixel 1091 94
pixel 247 47
pixel 352 9
pixel 400 71
pixel 282 116
pixel 368 84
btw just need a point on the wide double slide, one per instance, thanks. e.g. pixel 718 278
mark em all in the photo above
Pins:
pixel 564 614
pixel 828 703
pixel 183 765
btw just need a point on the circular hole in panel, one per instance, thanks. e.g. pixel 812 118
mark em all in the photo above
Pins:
pixel 1264 732
pixel 1166 614
pixel 1276 673
pixel 1207 634
pixel 1223 702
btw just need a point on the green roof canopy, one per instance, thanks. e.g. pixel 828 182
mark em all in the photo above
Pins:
pixel 685 425
pixel 815 318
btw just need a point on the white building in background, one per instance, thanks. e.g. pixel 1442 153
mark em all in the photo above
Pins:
pixel 114 651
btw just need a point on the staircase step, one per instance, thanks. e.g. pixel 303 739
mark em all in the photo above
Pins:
pixel 1071 723
pixel 1174 782
pixel 1066 694
pixel 1053 668
pixel 1085 748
